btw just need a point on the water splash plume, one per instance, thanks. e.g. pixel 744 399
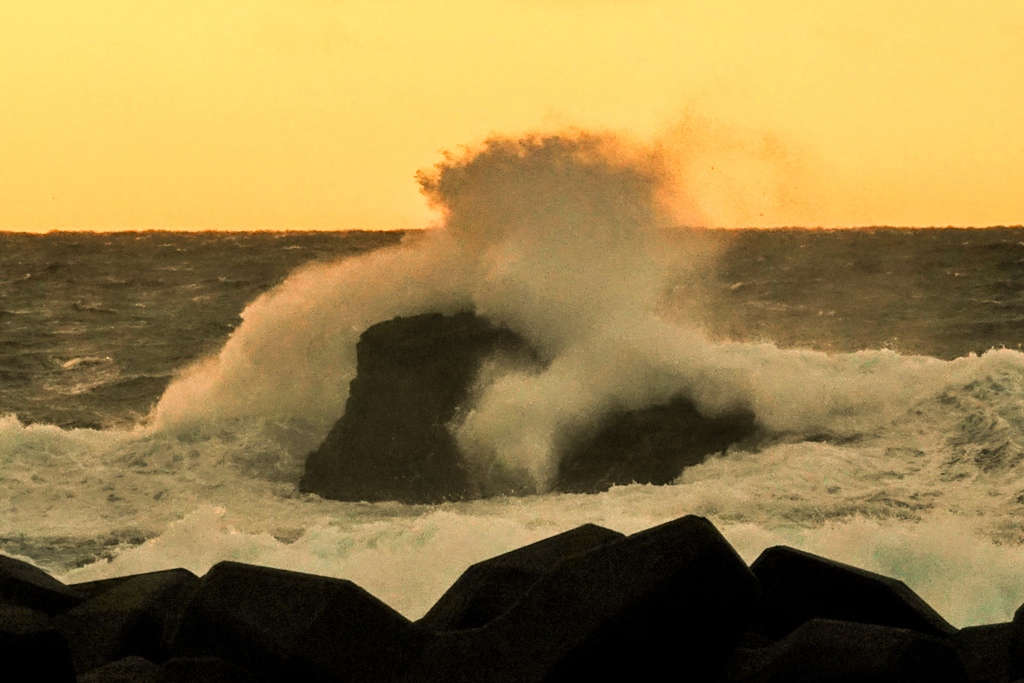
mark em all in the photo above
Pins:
pixel 565 240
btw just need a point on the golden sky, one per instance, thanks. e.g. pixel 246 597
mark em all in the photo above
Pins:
pixel 246 114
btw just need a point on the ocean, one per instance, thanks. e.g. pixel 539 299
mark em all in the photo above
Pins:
pixel 159 391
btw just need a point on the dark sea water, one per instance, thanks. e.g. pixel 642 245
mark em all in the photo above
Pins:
pixel 94 325
pixel 159 392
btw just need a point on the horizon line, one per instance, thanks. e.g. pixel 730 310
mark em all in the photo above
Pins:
pixel 427 229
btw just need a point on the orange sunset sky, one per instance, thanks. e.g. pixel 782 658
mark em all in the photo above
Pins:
pixel 316 114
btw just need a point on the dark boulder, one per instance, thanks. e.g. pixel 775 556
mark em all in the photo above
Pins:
pixel 94 589
pixel 986 652
pixel 284 625
pixel 588 604
pixel 28 645
pixel 136 616
pixel 414 374
pixel 136 669
pixel 18 619
pixel 132 669
pixel 204 670
pixel 393 441
pixel 676 595
pixel 828 651
pixel 488 589
pixel 28 586
pixel 649 446
pixel 799 586
pixel 1016 663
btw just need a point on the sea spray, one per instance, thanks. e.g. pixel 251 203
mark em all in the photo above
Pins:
pixel 533 229
pixel 561 239
pixel 566 232
pixel 294 354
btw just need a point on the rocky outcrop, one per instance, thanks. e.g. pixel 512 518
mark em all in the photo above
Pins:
pixel 134 617
pixel 393 441
pixel 649 446
pixel 612 613
pixel 799 587
pixel 285 625
pixel 488 589
pixel 31 587
pixel 588 604
pixel 413 374
pixel 826 650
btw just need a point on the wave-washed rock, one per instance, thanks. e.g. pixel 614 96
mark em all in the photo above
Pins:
pixel 671 602
pixel 413 374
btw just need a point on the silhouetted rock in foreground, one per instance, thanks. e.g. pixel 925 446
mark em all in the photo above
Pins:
pixel 987 652
pixel 825 650
pixel 413 374
pixel 187 670
pixel 28 586
pixel 291 626
pixel 799 586
pixel 615 612
pixel 488 589
pixel 30 647
pixel 673 601
pixel 134 617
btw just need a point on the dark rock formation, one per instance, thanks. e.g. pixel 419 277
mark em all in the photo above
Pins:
pixel 825 650
pixel 28 586
pixel 29 644
pixel 649 446
pixel 1016 650
pixel 674 601
pixel 127 670
pixel 287 625
pixel 135 617
pixel 394 443
pixel 488 589
pixel 204 670
pixel 186 670
pixel 94 589
pixel 799 586
pixel 612 613
pixel 987 652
